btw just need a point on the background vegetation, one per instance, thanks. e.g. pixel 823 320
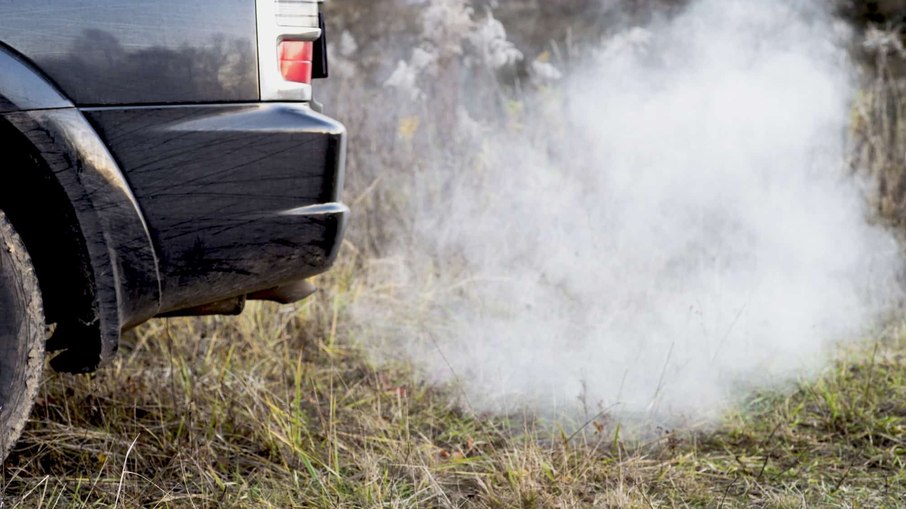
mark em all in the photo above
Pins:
pixel 281 408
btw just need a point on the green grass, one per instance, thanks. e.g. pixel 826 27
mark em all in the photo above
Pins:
pixel 278 408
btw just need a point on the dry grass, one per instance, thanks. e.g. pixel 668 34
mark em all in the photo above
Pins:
pixel 280 408
pixel 879 125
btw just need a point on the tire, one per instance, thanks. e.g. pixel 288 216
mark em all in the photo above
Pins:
pixel 22 332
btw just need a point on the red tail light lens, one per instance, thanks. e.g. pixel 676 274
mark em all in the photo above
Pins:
pixel 295 60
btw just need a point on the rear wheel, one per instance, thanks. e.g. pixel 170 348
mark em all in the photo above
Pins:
pixel 22 332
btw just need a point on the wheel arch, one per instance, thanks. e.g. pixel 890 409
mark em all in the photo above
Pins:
pixel 49 226
pixel 66 194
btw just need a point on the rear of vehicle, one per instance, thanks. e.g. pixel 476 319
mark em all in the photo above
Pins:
pixel 169 159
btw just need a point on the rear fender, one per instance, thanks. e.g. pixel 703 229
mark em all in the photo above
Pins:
pixel 24 88
pixel 122 259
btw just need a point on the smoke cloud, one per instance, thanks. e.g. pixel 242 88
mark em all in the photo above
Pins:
pixel 662 227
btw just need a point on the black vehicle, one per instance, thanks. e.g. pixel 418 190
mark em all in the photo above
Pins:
pixel 159 158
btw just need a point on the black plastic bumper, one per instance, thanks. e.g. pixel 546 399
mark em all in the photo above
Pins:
pixel 238 198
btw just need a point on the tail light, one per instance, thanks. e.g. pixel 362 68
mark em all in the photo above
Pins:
pixel 290 48
pixel 295 60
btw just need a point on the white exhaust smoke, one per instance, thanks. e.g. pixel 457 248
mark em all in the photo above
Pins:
pixel 666 226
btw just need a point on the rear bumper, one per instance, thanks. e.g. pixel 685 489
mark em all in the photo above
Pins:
pixel 238 198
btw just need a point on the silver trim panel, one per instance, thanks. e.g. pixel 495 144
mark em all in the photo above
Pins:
pixel 279 20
